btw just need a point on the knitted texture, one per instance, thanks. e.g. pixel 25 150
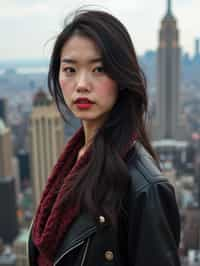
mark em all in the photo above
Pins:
pixel 51 221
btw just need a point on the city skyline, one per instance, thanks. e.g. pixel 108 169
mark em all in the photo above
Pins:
pixel 20 21
pixel 33 133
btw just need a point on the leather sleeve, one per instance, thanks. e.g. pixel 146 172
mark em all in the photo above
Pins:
pixel 154 227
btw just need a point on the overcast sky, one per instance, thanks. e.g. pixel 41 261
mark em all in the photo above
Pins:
pixel 26 25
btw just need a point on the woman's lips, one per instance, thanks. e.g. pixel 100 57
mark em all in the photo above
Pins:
pixel 83 103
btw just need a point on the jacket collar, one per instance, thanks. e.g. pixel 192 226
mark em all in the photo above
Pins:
pixel 83 226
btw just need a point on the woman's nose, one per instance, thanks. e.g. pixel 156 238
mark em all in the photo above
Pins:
pixel 83 82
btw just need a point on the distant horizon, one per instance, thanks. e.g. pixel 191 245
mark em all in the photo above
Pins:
pixel 20 59
pixel 47 59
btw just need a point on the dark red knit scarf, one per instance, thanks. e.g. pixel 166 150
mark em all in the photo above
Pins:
pixel 51 221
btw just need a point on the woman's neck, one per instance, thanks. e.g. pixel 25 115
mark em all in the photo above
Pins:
pixel 89 132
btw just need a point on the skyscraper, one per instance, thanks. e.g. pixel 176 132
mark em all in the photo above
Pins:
pixel 6 168
pixel 24 167
pixel 8 208
pixel 167 122
pixel 46 141
pixel 3 109
pixel 197 48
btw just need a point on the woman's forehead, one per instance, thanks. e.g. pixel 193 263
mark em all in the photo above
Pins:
pixel 81 48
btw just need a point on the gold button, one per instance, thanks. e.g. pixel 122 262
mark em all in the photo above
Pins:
pixel 109 255
pixel 102 219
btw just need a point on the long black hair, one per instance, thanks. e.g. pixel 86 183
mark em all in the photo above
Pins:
pixel 102 184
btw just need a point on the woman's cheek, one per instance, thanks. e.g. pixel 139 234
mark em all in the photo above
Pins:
pixel 66 85
pixel 108 88
pixel 67 91
pixel 62 83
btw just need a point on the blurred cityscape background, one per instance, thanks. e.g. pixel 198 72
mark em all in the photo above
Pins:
pixel 32 135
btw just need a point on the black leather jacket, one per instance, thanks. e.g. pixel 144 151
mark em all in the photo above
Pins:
pixel 149 231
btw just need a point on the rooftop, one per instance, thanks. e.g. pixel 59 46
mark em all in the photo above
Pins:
pixel 170 143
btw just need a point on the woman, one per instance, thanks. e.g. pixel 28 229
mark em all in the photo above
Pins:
pixel 106 202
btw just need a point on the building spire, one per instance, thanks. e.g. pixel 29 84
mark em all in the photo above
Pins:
pixel 169 11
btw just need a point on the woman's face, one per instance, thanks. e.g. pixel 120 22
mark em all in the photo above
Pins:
pixel 88 91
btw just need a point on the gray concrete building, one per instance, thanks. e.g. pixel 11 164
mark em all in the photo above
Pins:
pixel 8 209
pixel 168 123
pixel 3 109
pixel 46 141
pixel 19 248
pixel 6 150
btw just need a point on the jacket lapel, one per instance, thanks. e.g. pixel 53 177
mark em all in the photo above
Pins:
pixel 82 227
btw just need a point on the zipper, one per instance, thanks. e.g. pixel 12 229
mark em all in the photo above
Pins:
pixel 65 253
pixel 85 252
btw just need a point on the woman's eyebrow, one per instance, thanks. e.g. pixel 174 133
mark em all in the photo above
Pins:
pixel 95 60
pixel 67 60
pixel 73 61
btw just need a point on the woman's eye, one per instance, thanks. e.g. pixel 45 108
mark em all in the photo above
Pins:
pixel 68 70
pixel 99 69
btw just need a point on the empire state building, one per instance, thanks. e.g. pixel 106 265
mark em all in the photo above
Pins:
pixel 168 124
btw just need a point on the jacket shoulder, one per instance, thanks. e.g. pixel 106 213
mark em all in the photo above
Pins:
pixel 152 212
pixel 142 169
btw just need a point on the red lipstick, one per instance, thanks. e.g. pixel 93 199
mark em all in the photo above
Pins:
pixel 83 103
